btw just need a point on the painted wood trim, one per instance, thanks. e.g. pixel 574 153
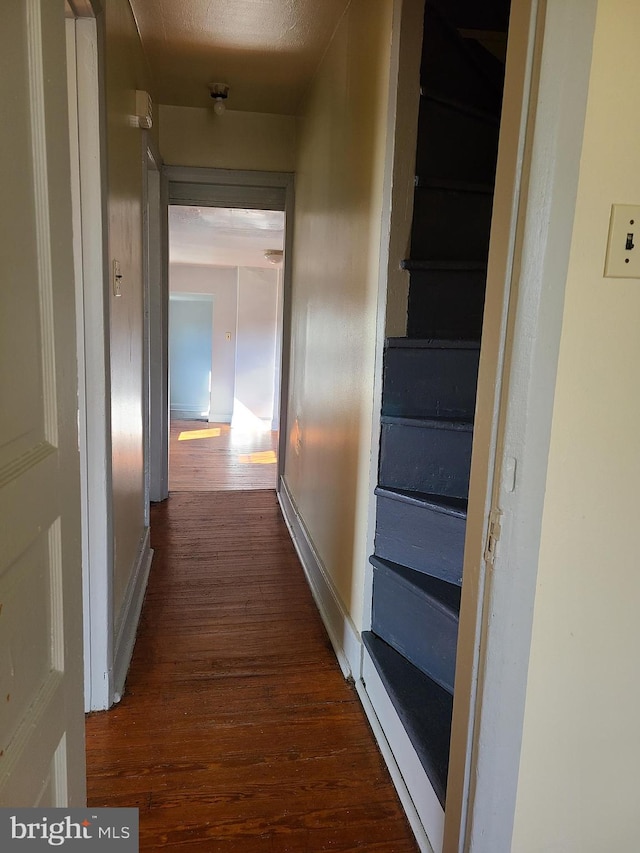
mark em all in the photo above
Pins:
pixel 515 125
pixel 419 800
pixel 228 177
pixel 159 377
pixel 84 8
pixel 186 411
pixel 127 623
pixel 341 630
pixel 536 191
pixel 240 178
pixel 93 360
pixel 220 417
pixel 285 316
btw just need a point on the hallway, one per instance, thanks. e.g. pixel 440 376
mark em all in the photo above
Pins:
pixel 237 731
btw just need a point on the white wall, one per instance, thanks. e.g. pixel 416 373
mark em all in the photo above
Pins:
pixel 193 136
pixel 222 284
pixel 245 327
pixel 578 780
pixel 339 184
pixel 256 341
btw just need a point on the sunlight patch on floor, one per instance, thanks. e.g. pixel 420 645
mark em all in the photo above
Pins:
pixel 263 457
pixel 189 435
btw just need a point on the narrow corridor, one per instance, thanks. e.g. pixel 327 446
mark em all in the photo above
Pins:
pixel 237 732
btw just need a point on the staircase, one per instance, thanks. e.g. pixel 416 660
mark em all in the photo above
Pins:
pixel 430 378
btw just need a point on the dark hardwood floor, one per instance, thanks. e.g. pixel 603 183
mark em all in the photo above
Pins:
pixel 237 732
pixel 209 457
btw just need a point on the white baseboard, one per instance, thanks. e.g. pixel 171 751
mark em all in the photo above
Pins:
pixel 342 633
pixel 422 807
pixel 127 623
pixel 219 417
pixel 188 412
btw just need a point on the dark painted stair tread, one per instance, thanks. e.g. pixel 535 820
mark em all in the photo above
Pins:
pixel 446 596
pixel 424 708
pixel 434 264
pixel 455 186
pixel 456 507
pixel 453 424
pixel 430 343
pixel 428 93
pixel 426 455
pixel 421 531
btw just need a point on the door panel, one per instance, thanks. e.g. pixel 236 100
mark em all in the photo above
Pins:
pixel 41 712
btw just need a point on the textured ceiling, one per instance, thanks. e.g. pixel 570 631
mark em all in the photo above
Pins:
pixel 222 236
pixel 266 50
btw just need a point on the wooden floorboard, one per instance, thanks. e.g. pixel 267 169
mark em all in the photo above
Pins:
pixel 211 457
pixel 237 732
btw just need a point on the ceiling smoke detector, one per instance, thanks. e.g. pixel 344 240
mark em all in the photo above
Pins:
pixel 219 92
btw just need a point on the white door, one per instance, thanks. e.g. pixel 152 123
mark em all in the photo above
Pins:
pixel 41 666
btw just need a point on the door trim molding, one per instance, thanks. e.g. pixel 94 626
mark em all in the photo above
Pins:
pixel 534 205
pixel 93 365
pixel 264 183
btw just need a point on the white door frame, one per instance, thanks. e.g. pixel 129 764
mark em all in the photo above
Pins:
pixel 156 296
pixel 226 188
pixel 92 321
pixel 547 83
pixel 152 283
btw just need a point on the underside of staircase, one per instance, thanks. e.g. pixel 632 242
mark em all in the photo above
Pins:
pixel 430 377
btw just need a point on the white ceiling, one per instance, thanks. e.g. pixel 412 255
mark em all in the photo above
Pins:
pixel 222 236
pixel 266 50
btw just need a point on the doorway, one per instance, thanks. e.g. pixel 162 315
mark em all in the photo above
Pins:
pixel 207 190
pixel 225 337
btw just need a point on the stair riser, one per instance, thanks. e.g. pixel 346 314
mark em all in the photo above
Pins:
pixel 420 538
pixel 446 304
pixel 416 627
pixel 455 145
pixel 426 382
pixel 450 225
pixel 435 461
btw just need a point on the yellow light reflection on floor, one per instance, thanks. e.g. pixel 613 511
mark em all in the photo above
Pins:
pixel 199 433
pixel 264 457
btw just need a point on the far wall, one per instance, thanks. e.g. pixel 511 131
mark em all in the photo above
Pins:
pixel 194 136
pixel 243 364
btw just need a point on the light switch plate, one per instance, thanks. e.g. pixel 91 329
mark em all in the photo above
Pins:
pixel 116 279
pixel 623 248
